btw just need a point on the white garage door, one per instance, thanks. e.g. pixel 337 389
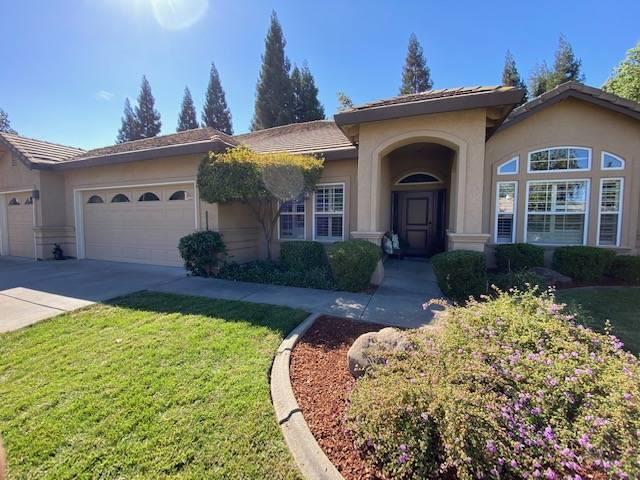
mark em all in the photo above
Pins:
pixel 141 225
pixel 20 224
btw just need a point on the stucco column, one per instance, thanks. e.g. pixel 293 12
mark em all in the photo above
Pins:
pixel 367 220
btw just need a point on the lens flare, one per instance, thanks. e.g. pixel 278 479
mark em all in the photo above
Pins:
pixel 178 14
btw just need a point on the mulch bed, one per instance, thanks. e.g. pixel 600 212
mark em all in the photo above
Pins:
pixel 322 385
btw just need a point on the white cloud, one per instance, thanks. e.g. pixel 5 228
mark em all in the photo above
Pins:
pixel 104 95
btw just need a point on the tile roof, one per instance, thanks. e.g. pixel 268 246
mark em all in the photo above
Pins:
pixel 39 151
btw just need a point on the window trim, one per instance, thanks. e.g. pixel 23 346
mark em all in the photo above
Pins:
pixel 515 212
pixel 617 157
pixel 411 174
pixel 304 216
pixel 315 213
pixel 141 198
pixel 185 199
pixel 118 194
pixel 620 212
pixel 517 160
pixel 589 160
pixel 585 234
pixel 89 202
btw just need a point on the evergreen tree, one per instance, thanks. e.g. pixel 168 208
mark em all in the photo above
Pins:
pixel 274 95
pixel 130 129
pixel 566 66
pixel 215 112
pixel 5 124
pixel 625 80
pixel 307 107
pixel 416 76
pixel 187 119
pixel 511 76
pixel 344 102
pixel 541 80
pixel 147 117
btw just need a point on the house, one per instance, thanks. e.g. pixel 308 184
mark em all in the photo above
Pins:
pixel 458 168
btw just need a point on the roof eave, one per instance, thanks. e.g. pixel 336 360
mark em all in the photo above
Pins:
pixel 17 152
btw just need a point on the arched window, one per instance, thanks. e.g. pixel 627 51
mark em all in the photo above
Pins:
pixel 120 198
pixel 95 199
pixel 418 178
pixel 29 201
pixel 510 167
pixel 14 201
pixel 148 197
pixel 179 195
pixel 611 162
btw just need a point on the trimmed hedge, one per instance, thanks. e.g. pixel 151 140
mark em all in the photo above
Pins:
pixel 626 267
pixel 460 273
pixel 264 271
pixel 514 257
pixel 352 263
pixel 583 263
pixel 302 255
pixel 202 252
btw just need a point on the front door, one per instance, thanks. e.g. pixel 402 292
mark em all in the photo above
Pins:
pixel 418 219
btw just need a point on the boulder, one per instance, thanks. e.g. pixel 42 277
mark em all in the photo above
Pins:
pixel 368 349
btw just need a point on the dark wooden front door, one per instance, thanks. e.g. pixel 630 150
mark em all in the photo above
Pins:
pixel 419 221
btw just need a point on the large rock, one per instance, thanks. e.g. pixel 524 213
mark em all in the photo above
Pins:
pixel 368 349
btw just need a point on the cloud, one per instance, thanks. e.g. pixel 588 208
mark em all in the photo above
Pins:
pixel 104 95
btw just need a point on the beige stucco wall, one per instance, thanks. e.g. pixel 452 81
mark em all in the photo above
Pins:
pixel 568 123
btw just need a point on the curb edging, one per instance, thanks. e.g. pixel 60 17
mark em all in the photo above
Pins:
pixel 311 460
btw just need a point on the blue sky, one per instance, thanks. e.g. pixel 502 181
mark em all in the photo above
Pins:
pixel 67 65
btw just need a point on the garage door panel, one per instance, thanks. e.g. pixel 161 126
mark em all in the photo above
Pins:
pixel 20 225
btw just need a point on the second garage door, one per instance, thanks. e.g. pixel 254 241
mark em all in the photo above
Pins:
pixel 141 225
pixel 20 224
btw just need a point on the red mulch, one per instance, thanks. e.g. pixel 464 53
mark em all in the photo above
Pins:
pixel 322 385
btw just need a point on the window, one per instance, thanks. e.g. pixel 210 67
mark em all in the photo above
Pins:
pixel 292 221
pixel 560 159
pixel 329 213
pixel 29 201
pixel 417 178
pixel 610 212
pixel 120 198
pixel 95 199
pixel 179 195
pixel 149 197
pixel 506 198
pixel 610 161
pixel 510 167
pixel 557 212
pixel 14 201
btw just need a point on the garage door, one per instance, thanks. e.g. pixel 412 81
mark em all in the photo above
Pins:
pixel 142 225
pixel 20 224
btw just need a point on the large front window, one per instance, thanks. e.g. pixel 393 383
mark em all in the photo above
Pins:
pixel 292 220
pixel 560 159
pixel 610 211
pixel 329 213
pixel 557 212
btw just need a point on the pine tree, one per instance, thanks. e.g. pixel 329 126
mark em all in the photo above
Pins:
pixel 147 116
pixel 187 119
pixel 274 95
pixel 5 124
pixel 130 129
pixel 625 80
pixel 215 112
pixel 344 102
pixel 566 67
pixel 511 76
pixel 541 80
pixel 307 107
pixel 416 76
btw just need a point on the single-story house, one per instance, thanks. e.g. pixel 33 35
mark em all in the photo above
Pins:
pixel 457 168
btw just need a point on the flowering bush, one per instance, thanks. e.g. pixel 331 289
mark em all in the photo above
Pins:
pixel 511 387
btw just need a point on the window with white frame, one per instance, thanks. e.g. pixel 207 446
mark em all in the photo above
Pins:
pixel 610 212
pixel 506 194
pixel 292 220
pixel 329 213
pixel 557 212
pixel 510 167
pixel 610 161
pixel 560 159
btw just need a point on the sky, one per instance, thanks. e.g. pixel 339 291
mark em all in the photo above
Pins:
pixel 66 66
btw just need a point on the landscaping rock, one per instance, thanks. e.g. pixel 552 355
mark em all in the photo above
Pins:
pixel 367 348
pixel 551 277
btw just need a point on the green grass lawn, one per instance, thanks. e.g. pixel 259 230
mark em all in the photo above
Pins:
pixel 151 386
pixel 619 305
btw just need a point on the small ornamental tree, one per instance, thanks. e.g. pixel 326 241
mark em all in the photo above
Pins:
pixel 263 181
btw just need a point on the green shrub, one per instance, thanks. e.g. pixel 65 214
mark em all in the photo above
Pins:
pixel 202 252
pixel 460 273
pixel 264 271
pixel 583 263
pixel 506 388
pixel 514 257
pixel 626 267
pixel 521 280
pixel 352 263
pixel 302 255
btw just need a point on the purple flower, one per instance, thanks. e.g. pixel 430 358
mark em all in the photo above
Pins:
pixel 584 442
pixel 403 458
pixel 554 308
pixel 548 434
pixel 403 447
pixel 513 464
pixel 550 474
pixel 491 448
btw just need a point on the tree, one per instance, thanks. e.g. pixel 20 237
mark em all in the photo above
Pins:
pixel 130 129
pixel 511 76
pixel 147 116
pixel 306 106
pixel 274 95
pixel 541 80
pixel 625 79
pixel 566 66
pixel 344 102
pixel 215 113
pixel 416 76
pixel 263 181
pixel 5 124
pixel 187 119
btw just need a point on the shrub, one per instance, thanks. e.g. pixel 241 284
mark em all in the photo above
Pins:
pixel 302 255
pixel 583 263
pixel 521 280
pixel 514 257
pixel 506 388
pixel 264 271
pixel 626 267
pixel 460 273
pixel 352 263
pixel 202 252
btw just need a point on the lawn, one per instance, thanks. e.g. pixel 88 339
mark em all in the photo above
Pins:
pixel 150 386
pixel 620 305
